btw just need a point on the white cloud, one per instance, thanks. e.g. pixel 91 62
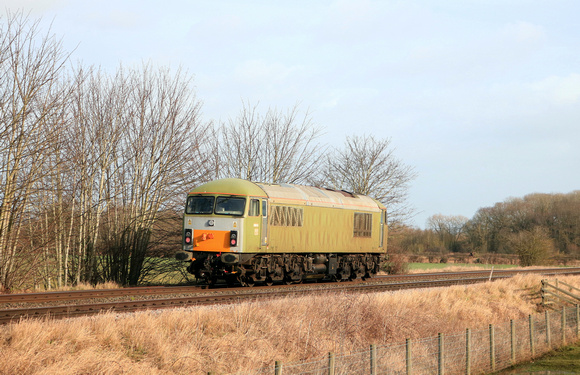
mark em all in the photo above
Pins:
pixel 559 90
pixel 524 32
pixel 35 7
pixel 352 12
pixel 353 97
pixel 466 55
pixel 260 72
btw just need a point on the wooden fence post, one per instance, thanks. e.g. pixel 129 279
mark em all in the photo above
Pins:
pixel 543 294
pixel 441 359
pixel 409 358
pixel 492 347
pixel 548 330
pixel 373 359
pixel 564 326
pixel 577 321
pixel 468 352
pixel 531 324
pixel 278 368
pixel 331 364
pixel 513 340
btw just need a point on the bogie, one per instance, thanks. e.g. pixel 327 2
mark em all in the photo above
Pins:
pixel 269 269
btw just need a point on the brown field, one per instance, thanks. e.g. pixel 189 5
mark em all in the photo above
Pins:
pixel 248 336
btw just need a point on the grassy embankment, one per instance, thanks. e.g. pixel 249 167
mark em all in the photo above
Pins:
pixel 563 361
pixel 251 335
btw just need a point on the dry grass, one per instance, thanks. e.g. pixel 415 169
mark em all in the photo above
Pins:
pixel 251 335
pixel 80 286
pixel 449 269
pixel 475 268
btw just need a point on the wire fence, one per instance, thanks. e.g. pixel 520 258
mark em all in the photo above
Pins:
pixel 470 352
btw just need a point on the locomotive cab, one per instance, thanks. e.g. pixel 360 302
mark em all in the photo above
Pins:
pixel 222 223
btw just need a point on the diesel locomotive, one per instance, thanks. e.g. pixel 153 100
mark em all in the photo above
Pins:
pixel 245 232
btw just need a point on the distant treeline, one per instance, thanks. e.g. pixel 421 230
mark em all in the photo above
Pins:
pixel 535 227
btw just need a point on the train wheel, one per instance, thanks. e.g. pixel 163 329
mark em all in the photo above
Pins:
pixel 250 281
pixel 269 281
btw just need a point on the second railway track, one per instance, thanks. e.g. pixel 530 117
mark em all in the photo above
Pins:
pixel 36 305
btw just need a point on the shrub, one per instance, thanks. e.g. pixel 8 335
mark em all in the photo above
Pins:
pixel 533 247
pixel 396 265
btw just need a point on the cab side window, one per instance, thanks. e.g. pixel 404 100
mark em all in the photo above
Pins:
pixel 363 224
pixel 254 207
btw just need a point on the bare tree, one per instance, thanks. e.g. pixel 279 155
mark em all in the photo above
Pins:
pixel 239 145
pixel 158 156
pixel 32 101
pixel 449 229
pixel 276 147
pixel 290 151
pixel 88 163
pixel 99 106
pixel 368 166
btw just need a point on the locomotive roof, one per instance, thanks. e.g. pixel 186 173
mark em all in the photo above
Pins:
pixel 291 194
pixel 318 197
pixel 231 186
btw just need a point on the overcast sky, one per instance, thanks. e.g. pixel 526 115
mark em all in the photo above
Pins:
pixel 481 97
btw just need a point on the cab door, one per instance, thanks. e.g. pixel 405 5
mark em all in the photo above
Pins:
pixel 384 230
pixel 252 225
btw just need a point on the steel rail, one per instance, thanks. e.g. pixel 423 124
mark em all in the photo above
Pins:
pixel 95 293
pixel 10 315
pixel 439 275
pixel 47 297
pixel 233 295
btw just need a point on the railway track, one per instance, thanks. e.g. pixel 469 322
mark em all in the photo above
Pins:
pixel 14 307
